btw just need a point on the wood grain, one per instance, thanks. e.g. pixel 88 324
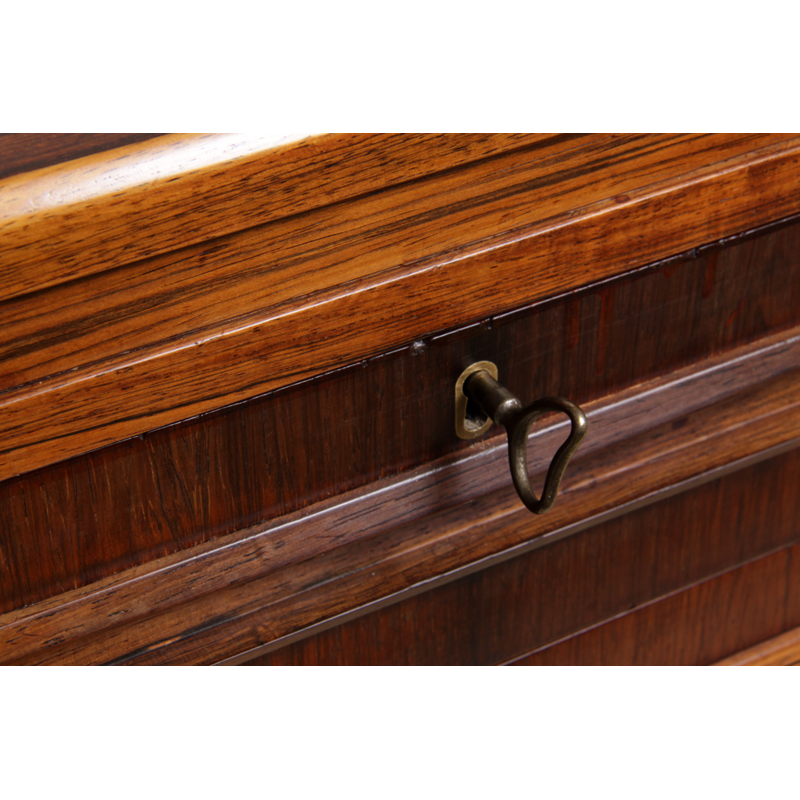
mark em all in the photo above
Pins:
pixel 697 626
pixel 528 602
pixel 289 300
pixel 780 651
pixel 22 152
pixel 105 211
pixel 273 581
pixel 219 473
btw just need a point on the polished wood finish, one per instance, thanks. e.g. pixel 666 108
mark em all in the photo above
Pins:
pixel 273 581
pixel 780 651
pixel 619 569
pixel 23 152
pixel 268 374
pixel 638 574
pixel 164 339
pixel 102 212
pixel 192 483
pixel 697 626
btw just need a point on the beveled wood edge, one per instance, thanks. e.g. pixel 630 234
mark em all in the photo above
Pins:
pixel 42 207
pixel 363 318
pixel 780 651
pixel 527 547
pixel 133 615
pixel 183 182
pixel 25 152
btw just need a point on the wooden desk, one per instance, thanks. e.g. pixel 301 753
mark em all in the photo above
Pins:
pixel 227 399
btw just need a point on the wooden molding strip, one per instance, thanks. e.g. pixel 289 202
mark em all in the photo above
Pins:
pixel 781 651
pixel 25 152
pixel 310 307
pixel 253 589
pixel 103 211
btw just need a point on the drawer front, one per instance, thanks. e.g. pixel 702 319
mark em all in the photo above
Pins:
pixel 120 340
pixel 229 535
pixel 687 580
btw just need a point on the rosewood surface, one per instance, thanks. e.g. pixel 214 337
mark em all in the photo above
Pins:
pixel 697 626
pixel 282 360
pixel 164 339
pixel 175 488
pixel 608 570
pixel 263 586
pixel 103 212
pixel 22 152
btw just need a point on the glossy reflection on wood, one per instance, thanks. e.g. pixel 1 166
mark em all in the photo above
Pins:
pixel 160 340
pixel 174 488
pixel 259 586
pixel 501 612
pixel 103 212
pixel 22 152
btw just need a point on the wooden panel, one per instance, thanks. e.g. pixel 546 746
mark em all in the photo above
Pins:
pixel 273 581
pixel 780 651
pixel 184 333
pixel 102 212
pixel 305 330
pixel 494 615
pixel 181 486
pixel 22 152
pixel 697 626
